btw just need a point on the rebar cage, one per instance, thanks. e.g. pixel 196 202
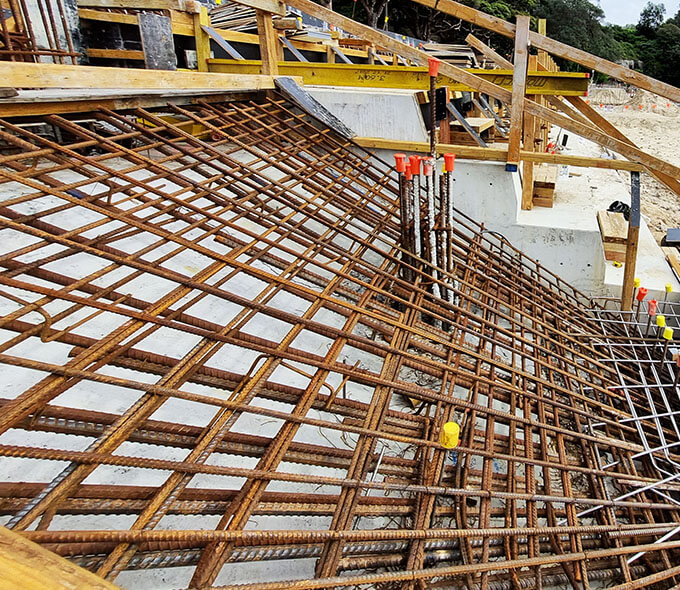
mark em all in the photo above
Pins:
pixel 215 373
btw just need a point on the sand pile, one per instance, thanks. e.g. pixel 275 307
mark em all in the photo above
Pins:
pixel 657 132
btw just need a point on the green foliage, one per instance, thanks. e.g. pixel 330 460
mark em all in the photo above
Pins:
pixel 651 18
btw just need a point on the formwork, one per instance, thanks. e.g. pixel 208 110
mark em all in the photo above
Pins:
pixel 221 369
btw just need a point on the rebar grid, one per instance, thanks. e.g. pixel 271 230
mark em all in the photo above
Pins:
pixel 206 332
pixel 35 31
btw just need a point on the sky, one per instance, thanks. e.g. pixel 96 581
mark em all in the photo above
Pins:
pixel 627 12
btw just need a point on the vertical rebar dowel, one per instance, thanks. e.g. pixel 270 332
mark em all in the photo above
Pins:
pixel 428 171
pixel 441 231
pixel 415 170
pixel 449 163
pixel 400 166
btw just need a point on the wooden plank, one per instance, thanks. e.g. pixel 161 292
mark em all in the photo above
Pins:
pixel 141 4
pixel 613 227
pixel 115 54
pixel 632 243
pixel 110 17
pixel 202 19
pixel 157 41
pixel 25 565
pixel 497 154
pixel 462 121
pixel 519 82
pixel 485 50
pixel 86 104
pixel 268 42
pixel 270 6
pixel 39 75
pixel 557 48
pixel 479 124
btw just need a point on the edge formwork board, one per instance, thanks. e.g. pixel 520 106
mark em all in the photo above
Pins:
pixel 37 75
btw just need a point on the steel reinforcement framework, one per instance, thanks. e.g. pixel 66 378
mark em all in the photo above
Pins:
pixel 212 357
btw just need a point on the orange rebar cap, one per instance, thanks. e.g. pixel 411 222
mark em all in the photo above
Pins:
pixel 433 66
pixel 407 172
pixel 400 162
pixel 415 164
pixel 642 293
pixel 449 162
pixel 652 306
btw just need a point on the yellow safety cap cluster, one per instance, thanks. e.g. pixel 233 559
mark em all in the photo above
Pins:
pixel 450 437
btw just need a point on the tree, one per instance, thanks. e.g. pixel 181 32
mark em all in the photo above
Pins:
pixel 651 18
pixel 578 23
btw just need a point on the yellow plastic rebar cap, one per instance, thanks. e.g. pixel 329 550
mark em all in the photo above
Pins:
pixel 661 321
pixel 637 283
pixel 669 288
pixel 450 437
pixel 668 333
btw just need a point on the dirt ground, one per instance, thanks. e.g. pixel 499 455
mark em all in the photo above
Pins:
pixel 653 124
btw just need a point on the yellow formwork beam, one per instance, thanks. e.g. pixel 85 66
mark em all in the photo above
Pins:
pixel 403 77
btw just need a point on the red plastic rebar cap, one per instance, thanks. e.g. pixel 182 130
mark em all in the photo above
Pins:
pixel 400 162
pixel 433 66
pixel 450 162
pixel 414 161
pixel 642 293
pixel 652 306
pixel 407 172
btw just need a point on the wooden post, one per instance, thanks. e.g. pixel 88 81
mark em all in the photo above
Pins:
pixel 519 82
pixel 268 42
pixel 371 54
pixel 529 146
pixel 330 55
pixel 631 243
pixel 202 39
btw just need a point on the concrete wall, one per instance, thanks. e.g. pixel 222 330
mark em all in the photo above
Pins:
pixel 490 195
pixel 369 113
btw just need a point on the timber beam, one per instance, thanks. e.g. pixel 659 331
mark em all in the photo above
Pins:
pixel 402 77
pixel 466 152
pixel 35 75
